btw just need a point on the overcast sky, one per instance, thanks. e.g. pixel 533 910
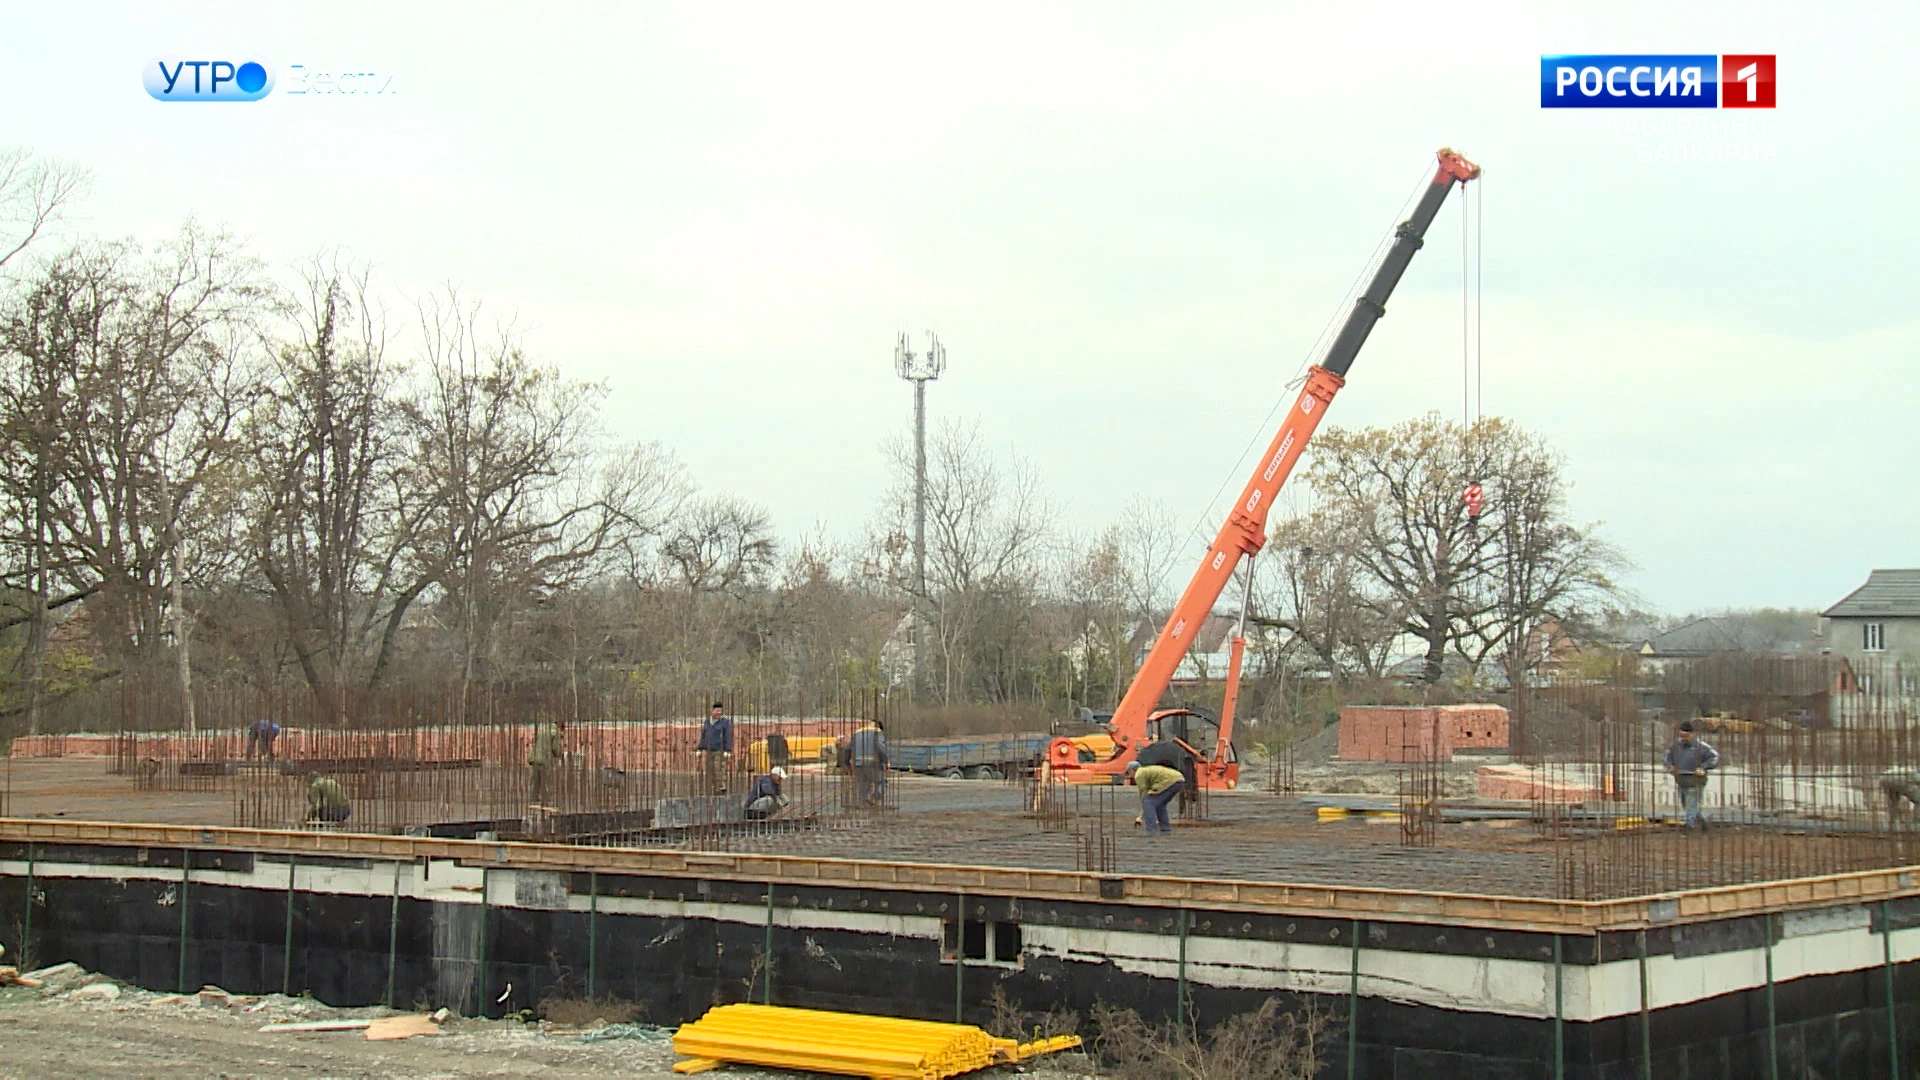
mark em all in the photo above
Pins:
pixel 1128 222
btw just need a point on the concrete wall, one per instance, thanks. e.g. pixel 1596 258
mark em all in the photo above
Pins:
pixel 1434 1001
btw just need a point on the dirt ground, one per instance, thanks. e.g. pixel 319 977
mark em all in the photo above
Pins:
pixel 141 1035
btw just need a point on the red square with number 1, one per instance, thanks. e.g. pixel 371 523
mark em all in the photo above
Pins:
pixel 1746 81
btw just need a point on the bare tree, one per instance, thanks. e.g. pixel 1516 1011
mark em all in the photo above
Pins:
pixel 506 447
pixel 1449 580
pixel 1313 586
pixel 988 529
pixel 335 507
pixel 34 194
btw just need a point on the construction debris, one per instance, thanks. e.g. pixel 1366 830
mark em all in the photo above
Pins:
pixel 319 1025
pixel 847 1044
pixel 401 1027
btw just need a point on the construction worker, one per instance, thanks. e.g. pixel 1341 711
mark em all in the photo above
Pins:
pixel 763 798
pixel 327 800
pixel 260 737
pixel 1901 786
pixel 1166 750
pixel 1159 785
pixel 715 747
pixel 867 755
pixel 1688 760
pixel 548 751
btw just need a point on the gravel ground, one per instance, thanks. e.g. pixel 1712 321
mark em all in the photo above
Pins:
pixel 139 1034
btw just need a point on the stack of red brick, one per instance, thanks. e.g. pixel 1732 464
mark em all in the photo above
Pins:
pixel 1419 732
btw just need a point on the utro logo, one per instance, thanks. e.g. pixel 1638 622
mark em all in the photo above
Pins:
pixel 1703 81
pixel 189 79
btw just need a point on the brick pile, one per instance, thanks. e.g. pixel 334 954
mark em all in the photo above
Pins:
pixel 1419 732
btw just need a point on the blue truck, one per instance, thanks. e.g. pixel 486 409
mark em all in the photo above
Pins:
pixel 970 757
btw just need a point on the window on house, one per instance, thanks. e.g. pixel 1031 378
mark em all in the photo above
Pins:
pixel 1873 636
pixel 992 943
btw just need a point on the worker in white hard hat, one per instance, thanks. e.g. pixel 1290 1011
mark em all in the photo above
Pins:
pixel 764 798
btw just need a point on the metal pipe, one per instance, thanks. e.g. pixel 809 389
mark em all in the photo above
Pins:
pixel 1893 1022
pixel 1180 1004
pixel 1773 1038
pixel 1559 997
pixel 286 955
pixel 767 956
pixel 1353 1001
pixel 26 920
pixel 186 858
pixel 593 930
pixel 919 533
pixel 480 971
pixel 959 953
pixel 1646 1021
pixel 393 932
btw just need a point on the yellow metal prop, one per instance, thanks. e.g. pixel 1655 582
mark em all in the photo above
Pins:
pixel 847 1044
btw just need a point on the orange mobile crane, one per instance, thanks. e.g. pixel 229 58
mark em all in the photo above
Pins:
pixel 1138 720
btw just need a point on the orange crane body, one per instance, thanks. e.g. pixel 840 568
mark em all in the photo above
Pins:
pixel 1244 532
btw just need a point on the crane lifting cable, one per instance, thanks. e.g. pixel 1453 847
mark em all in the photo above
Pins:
pixel 1473 494
pixel 1242 535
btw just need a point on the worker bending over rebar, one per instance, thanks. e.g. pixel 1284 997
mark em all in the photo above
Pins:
pixel 763 798
pixel 1159 786
pixel 327 800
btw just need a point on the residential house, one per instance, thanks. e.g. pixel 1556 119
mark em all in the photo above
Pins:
pixel 1878 624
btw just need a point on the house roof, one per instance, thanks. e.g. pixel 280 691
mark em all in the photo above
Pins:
pixel 1887 592
pixel 1696 638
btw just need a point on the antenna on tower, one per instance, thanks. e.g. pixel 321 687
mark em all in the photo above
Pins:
pixel 919 369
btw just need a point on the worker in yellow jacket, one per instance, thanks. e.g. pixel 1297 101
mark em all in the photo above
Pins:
pixel 1159 786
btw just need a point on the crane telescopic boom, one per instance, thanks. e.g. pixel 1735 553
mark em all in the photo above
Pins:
pixel 1244 532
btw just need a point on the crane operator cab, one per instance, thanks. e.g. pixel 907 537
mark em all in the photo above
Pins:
pixel 1095 759
pixel 1198 746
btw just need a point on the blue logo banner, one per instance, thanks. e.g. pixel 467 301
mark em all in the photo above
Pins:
pixel 190 78
pixel 1637 81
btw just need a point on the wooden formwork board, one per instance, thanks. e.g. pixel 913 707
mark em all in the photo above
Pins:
pixel 1323 901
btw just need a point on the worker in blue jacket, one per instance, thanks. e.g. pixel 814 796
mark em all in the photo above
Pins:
pixel 1688 760
pixel 867 755
pixel 715 747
